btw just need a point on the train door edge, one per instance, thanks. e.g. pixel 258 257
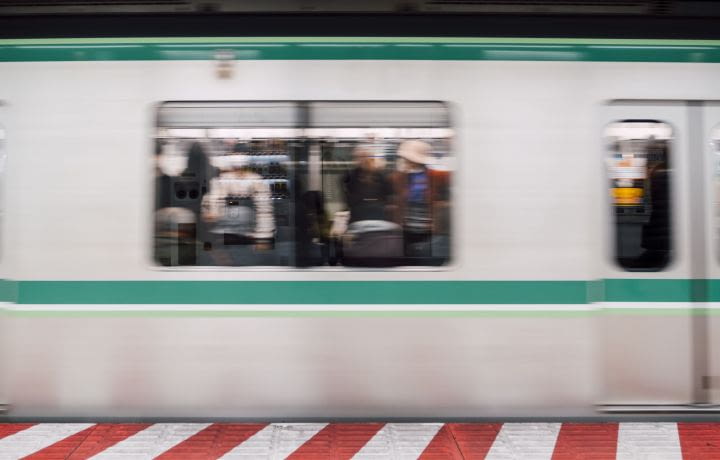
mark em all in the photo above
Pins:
pixel 648 332
pixel 709 143
pixel 4 347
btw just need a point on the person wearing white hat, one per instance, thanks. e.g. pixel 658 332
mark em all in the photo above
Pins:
pixel 416 153
pixel 421 194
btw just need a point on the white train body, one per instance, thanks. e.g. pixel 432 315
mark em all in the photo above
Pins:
pixel 529 205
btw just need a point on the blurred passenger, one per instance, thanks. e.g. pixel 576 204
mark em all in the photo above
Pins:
pixel 656 232
pixel 193 184
pixel 370 239
pixel 175 227
pixel 367 187
pixel 311 229
pixel 195 179
pixel 421 204
pixel 163 182
pixel 240 211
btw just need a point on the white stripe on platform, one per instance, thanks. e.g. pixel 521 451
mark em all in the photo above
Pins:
pixel 37 437
pixel 275 441
pixel 648 441
pixel 399 440
pixel 526 441
pixel 152 441
pixel 258 445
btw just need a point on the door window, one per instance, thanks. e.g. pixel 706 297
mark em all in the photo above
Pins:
pixel 640 178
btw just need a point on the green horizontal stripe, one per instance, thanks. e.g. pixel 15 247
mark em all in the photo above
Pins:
pixel 648 290
pixel 359 292
pixel 352 48
pixel 8 291
pixel 713 290
pixel 301 292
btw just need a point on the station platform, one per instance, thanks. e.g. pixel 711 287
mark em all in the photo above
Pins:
pixel 494 441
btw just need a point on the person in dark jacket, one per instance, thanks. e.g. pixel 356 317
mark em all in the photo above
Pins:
pixel 367 187
pixel 421 199
pixel 192 185
pixel 163 182
pixel 195 179
pixel 370 238
pixel 656 234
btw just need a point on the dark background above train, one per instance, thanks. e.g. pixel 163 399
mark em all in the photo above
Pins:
pixel 696 19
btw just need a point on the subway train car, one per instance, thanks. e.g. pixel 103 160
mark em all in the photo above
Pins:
pixel 344 227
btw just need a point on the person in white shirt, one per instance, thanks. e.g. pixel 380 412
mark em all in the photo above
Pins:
pixel 239 204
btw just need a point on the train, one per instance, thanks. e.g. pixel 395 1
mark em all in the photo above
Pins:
pixel 540 232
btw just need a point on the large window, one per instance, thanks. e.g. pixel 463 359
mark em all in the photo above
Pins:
pixel 302 183
pixel 640 174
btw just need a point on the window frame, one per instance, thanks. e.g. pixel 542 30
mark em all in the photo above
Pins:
pixel 452 263
pixel 611 205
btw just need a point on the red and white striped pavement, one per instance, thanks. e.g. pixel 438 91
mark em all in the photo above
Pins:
pixel 492 441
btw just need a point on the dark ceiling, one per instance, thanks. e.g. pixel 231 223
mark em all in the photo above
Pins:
pixel 683 8
pixel 692 19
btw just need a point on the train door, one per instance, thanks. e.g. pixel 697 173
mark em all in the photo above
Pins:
pixel 654 322
pixel 3 322
pixel 711 145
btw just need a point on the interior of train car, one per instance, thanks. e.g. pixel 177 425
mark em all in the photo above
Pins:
pixel 304 183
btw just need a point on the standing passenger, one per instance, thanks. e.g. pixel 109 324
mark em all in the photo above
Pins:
pixel 367 187
pixel 371 238
pixel 175 222
pixel 421 199
pixel 656 237
pixel 195 179
pixel 163 182
pixel 240 207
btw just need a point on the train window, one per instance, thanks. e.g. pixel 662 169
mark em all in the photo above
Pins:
pixel 224 177
pixel 302 184
pixel 385 181
pixel 639 170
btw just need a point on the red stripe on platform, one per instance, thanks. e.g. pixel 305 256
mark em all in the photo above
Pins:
pixel 337 441
pixel 474 439
pixel 591 441
pixel 103 436
pixel 213 441
pixel 6 429
pixel 699 441
pixel 442 447
pixel 63 448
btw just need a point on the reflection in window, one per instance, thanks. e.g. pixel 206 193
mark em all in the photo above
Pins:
pixel 639 170
pixel 302 184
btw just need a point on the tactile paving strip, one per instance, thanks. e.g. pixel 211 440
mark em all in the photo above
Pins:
pixel 376 441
